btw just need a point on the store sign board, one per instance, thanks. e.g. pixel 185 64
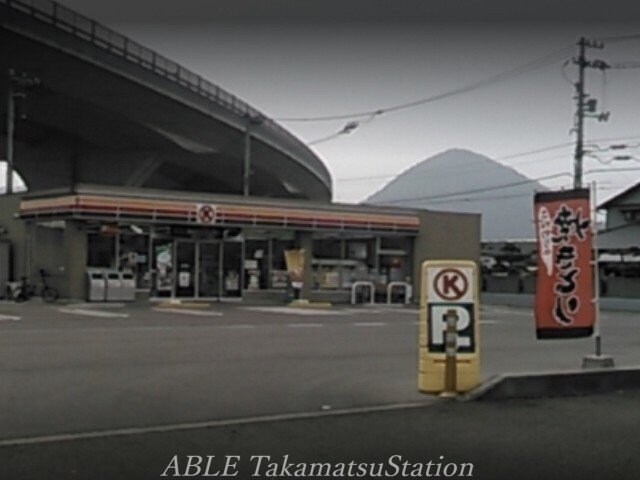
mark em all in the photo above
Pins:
pixel 449 286
pixel 206 213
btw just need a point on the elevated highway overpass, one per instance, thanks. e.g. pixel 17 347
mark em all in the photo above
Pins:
pixel 108 110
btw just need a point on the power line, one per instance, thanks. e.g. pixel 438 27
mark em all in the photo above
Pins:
pixel 480 199
pixel 324 139
pixel 438 199
pixel 620 38
pixel 478 190
pixel 451 171
pixel 501 158
pixel 628 65
pixel 514 72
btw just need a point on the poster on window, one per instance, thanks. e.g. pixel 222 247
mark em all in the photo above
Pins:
pixel 565 285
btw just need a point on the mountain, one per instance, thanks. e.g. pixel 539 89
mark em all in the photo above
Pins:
pixel 464 181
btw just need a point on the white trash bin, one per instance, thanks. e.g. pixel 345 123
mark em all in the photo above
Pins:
pixel 128 286
pixel 114 286
pixel 96 286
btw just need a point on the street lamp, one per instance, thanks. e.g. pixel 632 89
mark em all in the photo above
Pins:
pixel 251 121
pixel 18 84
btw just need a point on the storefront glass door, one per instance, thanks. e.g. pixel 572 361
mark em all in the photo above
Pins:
pixel 163 264
pixel 232 269
pixel 198 269
pixel 209 272
pixel 186 269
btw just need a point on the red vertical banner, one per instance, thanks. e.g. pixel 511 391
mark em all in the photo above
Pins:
pixel 564 286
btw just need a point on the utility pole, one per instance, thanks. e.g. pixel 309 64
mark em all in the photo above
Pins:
pixel 587 107
pixel 11 118
pixel 17 87
pixel 584 107
pixel 252 121
pixel 246 169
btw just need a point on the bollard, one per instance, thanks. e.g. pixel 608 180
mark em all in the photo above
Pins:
pixel 451 347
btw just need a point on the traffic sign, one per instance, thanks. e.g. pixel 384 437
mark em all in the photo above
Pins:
pixel 438 324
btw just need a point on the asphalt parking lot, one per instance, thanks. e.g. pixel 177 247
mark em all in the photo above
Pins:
pixel 77 368
pixel 590 438
pixel 227 380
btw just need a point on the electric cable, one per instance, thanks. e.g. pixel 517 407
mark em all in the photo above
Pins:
pixel 528 67
pixel 478 190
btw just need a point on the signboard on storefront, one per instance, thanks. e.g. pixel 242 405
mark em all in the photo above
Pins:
pixel 564 305
pixel 449 286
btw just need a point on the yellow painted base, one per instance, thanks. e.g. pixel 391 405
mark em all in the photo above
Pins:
pixel 432 373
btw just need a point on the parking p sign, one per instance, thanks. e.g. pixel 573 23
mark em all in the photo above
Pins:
pixel 448 286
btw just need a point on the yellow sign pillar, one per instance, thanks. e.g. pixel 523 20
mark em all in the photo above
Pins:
pixel 449 285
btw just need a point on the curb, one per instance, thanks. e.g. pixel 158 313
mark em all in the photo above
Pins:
pixel 555 384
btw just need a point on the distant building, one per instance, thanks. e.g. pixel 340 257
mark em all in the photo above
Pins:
pixel 622 232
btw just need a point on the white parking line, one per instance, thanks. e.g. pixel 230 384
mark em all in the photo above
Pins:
pixel 93 313
pixel 304 325
pixel 292 310
pixel 488 322
pixel 360 310
pixel 238 326
pixel 98 305
pixel 9 318
pixel 369 324
pixel 406 311
pixel 197 313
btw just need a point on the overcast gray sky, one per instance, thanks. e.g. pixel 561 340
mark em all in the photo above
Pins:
pixel 313 58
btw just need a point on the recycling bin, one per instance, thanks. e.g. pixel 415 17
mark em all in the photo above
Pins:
pixel 96 286
pixel 114 286
pixel 128 286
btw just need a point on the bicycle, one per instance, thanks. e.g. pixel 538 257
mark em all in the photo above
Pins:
pixel 24 289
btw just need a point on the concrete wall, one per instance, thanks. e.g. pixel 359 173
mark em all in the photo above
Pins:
pixel 622 287
pixel 508 284
pixel 16 234
pixel 46 250
pixel 75 256
pixel 445 236
pixel 610 287
pixel 62 252
pixel 526 301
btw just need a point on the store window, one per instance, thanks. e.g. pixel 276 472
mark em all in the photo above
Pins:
pixel 362 262
pixel 232 269
pixel 256 265
pixel 279 276
pixel 134 257
pixel 101 250
pixel 329 264
pixel 395 260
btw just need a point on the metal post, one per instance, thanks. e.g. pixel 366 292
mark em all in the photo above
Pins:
pixel 596 272
pixel 10 133
pixel 597 360
pixel 247 161
pixel 451 347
